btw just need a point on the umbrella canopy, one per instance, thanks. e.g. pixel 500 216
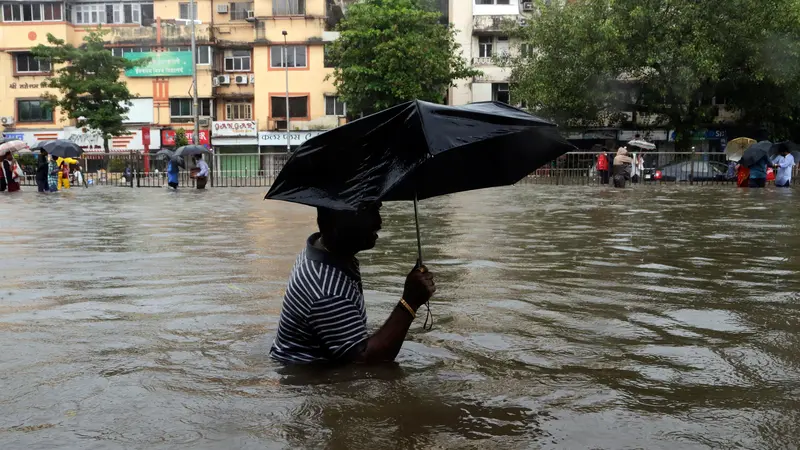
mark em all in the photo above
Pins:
pixel 736 147
pixel 755 153
pixel 60 148
pixel 191 150
pixel 4 139
pixel 13 147
pixel 170 155
pixel 642 144
pixel 417 150
pixel 790 146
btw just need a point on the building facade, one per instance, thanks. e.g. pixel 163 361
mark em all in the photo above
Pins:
pixel 242 60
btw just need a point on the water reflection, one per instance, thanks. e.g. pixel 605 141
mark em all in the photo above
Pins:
pixel 565 318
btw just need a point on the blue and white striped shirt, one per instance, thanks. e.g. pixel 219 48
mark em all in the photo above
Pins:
pixel 323 315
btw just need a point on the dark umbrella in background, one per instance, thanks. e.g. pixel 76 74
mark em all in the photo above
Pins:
pixel 191 150
pixel 415 151
pixel 789 146
pixel 755 153
pixel 170 156
pixel 60 148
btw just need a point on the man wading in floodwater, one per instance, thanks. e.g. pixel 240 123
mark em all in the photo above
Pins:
pixel 323 317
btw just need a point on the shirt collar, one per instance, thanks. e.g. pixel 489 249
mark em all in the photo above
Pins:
pixel 349 267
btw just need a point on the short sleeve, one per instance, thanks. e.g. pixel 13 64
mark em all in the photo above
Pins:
pixel 338 323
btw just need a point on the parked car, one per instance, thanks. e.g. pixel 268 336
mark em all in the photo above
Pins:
pixel 692 171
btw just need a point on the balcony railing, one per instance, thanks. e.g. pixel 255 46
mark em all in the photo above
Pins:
pixel 494 24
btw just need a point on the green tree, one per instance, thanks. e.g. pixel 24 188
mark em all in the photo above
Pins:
pixel 594 59
pixel 392 51
pixel 180 138
pixel 88 82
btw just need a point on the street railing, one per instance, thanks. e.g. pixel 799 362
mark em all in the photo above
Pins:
pixel 261 169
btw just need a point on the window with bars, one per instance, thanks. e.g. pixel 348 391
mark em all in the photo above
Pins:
pixel 180 109
pixel 288 7
pixel 122 51
pixel 33 111
pixel 203 53
pixel 183 11
pixel 238 111
pixel 485 46
pixel 501 93
pixel 334 106
pixel 237 61
pixel 298 107
pixel 296 56
pixel 239 10
pixel 32 12
pixel 25 63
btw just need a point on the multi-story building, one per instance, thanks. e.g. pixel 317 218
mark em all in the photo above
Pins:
pixel 241 70
pixel 483 34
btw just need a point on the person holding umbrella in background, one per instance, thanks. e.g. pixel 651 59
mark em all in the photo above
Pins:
pixel 172 174
pixel 202 174
pixel 42 167
pixel 52 175
pixel 11 172
pixel 784 162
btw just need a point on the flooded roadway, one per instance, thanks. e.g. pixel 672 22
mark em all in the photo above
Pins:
pixel 566 318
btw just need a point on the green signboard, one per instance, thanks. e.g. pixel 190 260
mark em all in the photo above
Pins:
pixel 162 64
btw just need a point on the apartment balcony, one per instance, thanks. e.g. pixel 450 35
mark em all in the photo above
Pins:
pixel 167 32
pixel 494 24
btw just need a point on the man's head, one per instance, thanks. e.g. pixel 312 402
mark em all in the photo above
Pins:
pixel 198 157
pixel 43 152
pixel 349 232
pixel 8 156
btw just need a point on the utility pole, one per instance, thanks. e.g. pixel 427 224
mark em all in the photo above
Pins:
pixel 195 106
pixel 286 67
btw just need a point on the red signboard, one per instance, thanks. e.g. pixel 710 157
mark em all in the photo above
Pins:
pixel 145 136
pixel 168 137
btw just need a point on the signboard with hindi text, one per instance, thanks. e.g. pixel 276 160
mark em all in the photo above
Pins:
pixel 162 64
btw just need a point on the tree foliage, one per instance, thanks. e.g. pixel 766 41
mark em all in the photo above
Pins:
pixel 88 82
pixel 181 138
pixel 665 58
pixel 391 51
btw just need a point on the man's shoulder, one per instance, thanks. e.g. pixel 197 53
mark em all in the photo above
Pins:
pixel 320 278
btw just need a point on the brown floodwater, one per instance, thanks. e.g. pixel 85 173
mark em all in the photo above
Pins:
pixel 566 318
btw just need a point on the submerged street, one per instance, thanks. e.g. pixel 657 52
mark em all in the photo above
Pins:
pixel 565 317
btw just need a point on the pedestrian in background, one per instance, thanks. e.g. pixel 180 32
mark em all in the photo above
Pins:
pixel 52 175
pixel 202 174
pixel 11 172
pixel 3 183
pixel 758 172
pixel 622 167
pixel 64 179
pixel 785 163
pixel 602 164
pixel 42 165
pixel 172 174
pixel 637 167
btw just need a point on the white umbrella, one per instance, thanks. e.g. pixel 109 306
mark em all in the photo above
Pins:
pixel 642 144
pixel 13 147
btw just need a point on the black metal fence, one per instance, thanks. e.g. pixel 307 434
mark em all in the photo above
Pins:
pixel 260 170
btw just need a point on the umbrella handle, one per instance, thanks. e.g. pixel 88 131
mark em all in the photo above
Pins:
pixel 419 240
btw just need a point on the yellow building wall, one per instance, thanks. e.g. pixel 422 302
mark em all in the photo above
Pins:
pixel 310 81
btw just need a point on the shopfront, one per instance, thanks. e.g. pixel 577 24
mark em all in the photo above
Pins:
pixel 236 148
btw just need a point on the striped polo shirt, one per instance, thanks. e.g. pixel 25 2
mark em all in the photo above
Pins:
pixel 323 315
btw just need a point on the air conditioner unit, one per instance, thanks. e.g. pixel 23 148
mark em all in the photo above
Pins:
pixel 251 15
pixel 241 79
pixel 527 6
pixel 7 121
pixel 223 80
pixel 204 122
pixel 222 8
pixel 523 22
pixel 280 125
pixel 252 79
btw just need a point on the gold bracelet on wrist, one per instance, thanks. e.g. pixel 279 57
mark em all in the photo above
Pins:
pixel 408 308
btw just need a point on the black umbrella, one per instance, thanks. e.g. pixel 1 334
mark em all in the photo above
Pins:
pixel 170 155
pixel 755 153
pixel 789 146
pixel 60 148
pixel 417 150
pixel 191 150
